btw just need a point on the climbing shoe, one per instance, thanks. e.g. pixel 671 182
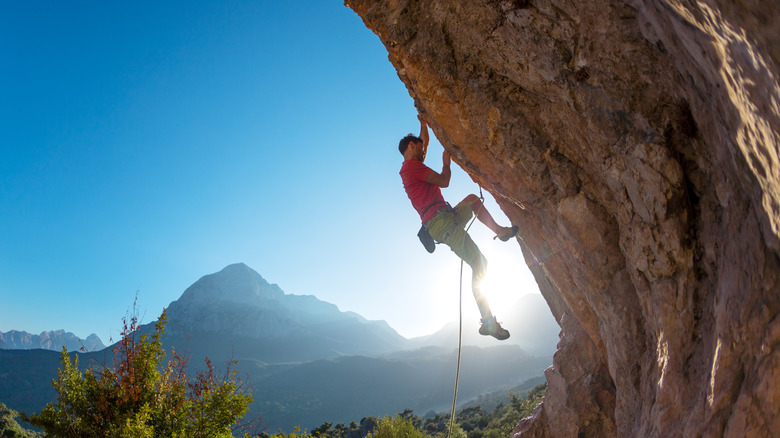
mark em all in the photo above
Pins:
pixel 507 233
pixel 491 327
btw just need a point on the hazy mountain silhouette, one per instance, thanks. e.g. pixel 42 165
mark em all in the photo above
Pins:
pixel 349 388
pixel 49 340
pixel 26 376
pixel 237 312
pixel 529 321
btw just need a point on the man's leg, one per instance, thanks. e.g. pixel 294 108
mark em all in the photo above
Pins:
pixel 473 203
pixel 490 326
pixel 478 270
pixel 470 253
pixel 446 228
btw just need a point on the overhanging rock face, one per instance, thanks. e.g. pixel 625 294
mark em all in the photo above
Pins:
pixel 636 145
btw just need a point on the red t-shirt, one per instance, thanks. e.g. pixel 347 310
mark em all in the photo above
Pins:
pixel 421 193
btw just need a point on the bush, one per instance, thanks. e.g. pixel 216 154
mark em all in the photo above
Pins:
pixel 396 427
pixel 296 434
pixel 139 397
pixel 9 428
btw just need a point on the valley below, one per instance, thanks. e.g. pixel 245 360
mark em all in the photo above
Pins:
pixel 305 360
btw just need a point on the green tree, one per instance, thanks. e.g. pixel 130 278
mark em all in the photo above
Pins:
pixel 472 418
pixel 396 427
pixel 140 397
pixel 340 430
pixel 505 417
pixel 408 414
pixel 322 430
pixel 437 424
pixel 9 428
pixel 296 434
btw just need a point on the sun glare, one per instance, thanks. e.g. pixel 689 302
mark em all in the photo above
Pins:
pixel 446 291
pixel 506 282
pixel 502 287
pixel 507 278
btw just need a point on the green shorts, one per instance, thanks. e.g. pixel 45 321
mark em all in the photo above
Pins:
pixel 449 227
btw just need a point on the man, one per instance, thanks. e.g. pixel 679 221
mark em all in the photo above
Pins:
pixel 446 224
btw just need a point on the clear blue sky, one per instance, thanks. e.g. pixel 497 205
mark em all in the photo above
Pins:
pixel 146 144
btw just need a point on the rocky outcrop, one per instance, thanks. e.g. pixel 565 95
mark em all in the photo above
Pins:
pixel 636 145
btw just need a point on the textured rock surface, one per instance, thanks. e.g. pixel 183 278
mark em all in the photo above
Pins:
pixel 636 145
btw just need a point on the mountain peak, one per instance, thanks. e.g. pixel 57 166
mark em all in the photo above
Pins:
pixel 236 283
pixel 237 303
pixel 237 268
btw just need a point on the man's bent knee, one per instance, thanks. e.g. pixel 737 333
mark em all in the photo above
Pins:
pixel 472 199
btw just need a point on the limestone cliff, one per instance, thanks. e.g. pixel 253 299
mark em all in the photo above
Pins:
pixel 636 145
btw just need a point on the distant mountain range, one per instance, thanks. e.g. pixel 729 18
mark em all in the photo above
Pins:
pixel 236 311
pixel 51 340
pixel 307 361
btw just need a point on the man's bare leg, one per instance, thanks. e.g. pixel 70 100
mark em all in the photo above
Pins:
pixel 478 207
pixel 490 326
pixel 482 214
pixel 478 269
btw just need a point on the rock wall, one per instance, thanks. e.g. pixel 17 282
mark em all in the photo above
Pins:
pixel 636 145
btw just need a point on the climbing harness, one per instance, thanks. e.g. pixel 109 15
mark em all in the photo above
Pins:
pixel 460 320
pixel 430 244
pixel 424 235
pixel 435 203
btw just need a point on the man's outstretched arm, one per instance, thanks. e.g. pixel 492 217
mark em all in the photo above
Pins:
pixel 424 135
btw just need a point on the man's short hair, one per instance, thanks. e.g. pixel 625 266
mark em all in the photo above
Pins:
pixel 404 143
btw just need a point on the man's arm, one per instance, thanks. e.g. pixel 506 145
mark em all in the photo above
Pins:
pixel 423 135
pixel 441 179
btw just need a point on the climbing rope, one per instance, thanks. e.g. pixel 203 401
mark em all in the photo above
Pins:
pixel 460 319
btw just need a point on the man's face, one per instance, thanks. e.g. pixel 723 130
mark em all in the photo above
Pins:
pixel 417 147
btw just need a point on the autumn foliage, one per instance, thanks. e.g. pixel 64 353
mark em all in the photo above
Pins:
pixel 140 396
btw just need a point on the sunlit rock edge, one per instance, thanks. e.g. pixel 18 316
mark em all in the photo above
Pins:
pixel 636 145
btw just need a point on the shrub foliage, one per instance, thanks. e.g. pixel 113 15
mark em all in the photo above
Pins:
pixel 9 428
pixel 470 422
pixel 140 396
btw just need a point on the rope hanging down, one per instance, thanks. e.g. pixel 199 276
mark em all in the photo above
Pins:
pixel 460 320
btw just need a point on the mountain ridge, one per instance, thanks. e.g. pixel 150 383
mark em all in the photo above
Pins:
pixel 529 320
pixel 237 303
pixel 49 340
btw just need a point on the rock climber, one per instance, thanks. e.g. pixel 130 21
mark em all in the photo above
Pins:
pixel 446 224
